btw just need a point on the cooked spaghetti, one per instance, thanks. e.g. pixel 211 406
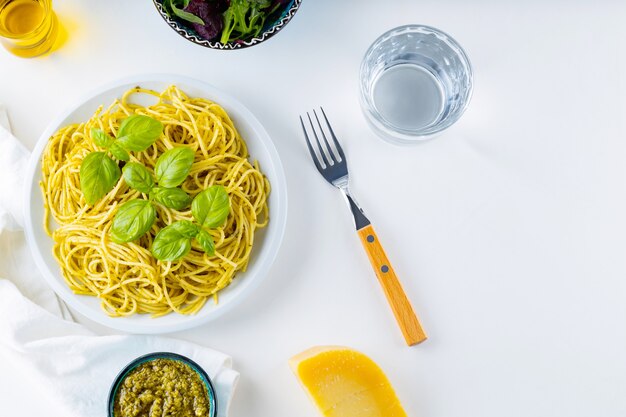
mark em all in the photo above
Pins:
pixel 126 277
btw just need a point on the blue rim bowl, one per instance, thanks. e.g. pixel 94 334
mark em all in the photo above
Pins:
pixel 162 355
pixel 271 28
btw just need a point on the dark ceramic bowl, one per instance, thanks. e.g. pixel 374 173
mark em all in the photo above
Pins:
pixel 271 28
pixel 162 355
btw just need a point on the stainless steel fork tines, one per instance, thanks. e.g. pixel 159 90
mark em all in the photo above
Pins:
pixel 330 161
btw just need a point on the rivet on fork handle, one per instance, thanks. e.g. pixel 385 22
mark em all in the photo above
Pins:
pixel 400 304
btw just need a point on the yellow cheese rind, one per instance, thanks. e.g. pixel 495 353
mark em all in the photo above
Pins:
pixel 343 382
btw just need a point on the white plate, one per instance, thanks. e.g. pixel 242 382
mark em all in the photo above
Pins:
pixel 267 241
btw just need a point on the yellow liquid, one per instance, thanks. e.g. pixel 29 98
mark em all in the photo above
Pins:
pixel 28 27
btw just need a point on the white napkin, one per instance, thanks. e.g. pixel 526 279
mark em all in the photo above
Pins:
pixel 63 359
pixel 13 159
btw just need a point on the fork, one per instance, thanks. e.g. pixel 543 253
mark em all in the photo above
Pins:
pixel 332 164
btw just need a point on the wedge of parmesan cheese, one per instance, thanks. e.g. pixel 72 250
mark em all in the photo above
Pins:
pixel 345 383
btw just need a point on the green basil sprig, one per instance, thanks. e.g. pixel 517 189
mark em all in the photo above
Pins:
pixel 206 241
pixel 170 197
pixel 211 207
pixel 100 138
pixel 132 220
pixel 138 132
pixel 173 242
pixel 99 172
pixel 118 152
pixel 98 175
pixel 138 177
pixel 172 167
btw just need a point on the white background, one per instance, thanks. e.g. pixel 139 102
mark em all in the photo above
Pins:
pixel 508 231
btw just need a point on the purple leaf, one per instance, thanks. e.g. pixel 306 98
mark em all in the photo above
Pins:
pixel 211 14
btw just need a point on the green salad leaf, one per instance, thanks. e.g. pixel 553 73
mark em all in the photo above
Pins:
pixel 211 207
pixel 174 241
pixel 138 177
pixel 132 220
pixel 98 175
pixel 174 198
pixel 189 17
pixel 246 18
pixel 138 132
pixel 173 166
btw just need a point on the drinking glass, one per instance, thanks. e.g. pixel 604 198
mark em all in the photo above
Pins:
pixel 28 28
pixel 415 81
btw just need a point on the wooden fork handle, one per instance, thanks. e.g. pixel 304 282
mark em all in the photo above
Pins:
pixel 400 304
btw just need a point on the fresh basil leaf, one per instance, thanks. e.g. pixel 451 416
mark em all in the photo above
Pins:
pixel 189 17
pixel 132 220
pixel 174 241
pixel 138 177
pixel 118 152
pixel 206 241
pixel 98 175
pixel 171 197
pixel 211 207
pixel 173 166
pixel 138 132
pixel 100 138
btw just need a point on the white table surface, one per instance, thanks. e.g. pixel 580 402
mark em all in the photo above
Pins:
pixel 508 231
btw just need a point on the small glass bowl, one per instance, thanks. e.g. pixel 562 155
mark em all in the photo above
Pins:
pixel 162 355
pixel 430 100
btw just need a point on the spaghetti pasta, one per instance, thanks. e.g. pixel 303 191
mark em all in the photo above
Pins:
pixel 126 277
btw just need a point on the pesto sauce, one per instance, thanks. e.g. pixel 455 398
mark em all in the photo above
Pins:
pixel 162 387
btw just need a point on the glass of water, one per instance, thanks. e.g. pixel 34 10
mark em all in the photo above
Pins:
pixel 415 81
